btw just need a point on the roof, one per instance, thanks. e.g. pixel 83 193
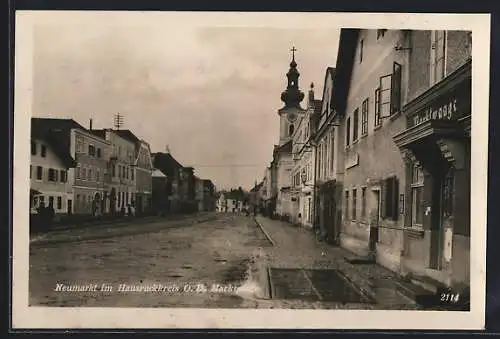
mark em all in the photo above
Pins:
pixel 166 163
pixel 345 60
pixel 127 134
pixel 57 133
pixel 158 174
pixel 285 148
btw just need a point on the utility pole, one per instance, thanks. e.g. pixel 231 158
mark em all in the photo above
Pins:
pixel 118 121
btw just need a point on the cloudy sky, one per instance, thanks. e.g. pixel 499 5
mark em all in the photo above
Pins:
pixel 209 92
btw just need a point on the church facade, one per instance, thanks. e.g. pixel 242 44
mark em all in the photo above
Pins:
pixel 290 116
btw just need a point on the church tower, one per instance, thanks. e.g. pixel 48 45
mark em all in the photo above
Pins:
pixel 292 97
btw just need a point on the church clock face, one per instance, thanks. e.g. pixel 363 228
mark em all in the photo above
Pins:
pixel 292 117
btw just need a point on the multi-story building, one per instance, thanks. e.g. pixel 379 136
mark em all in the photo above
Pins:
pixel 208 196
pixel 405 101
pixel 90 177
pixel 49 165
pixel 199 194
pixel 121 174
pixel 87 184
pixel 282 163
pixel 304 160
pixel 143 178
pixel 329 167
pixel 171 169
pixel 140 172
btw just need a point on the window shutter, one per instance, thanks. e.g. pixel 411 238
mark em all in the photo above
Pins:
pixel 395 198
pixel 396 88
pixel 383 199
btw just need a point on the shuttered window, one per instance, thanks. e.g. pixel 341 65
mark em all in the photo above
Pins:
pixel 355 125
pixel 364 118
pixel 348 132
pixel 396 89
pixel 438 54
pixel 377 120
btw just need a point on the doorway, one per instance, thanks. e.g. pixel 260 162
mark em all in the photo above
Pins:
pixel 70 206
pixel 374 225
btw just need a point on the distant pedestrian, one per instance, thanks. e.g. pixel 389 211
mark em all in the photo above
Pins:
pixel 129 210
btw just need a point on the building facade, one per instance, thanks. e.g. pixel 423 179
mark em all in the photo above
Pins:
pixel 171 169
pixel 329 168
pixel 405 101
pixel 90 176
pixel 143 168
pixel 121 174
pixel 49 167
pixel 302 175
pixel 290 114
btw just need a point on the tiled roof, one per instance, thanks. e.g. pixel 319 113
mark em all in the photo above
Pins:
pixel 57 133
pixel 166 163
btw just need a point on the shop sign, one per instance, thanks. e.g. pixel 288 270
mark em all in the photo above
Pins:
pixel 448 107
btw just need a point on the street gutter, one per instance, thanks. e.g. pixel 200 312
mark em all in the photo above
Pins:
pixel 264 231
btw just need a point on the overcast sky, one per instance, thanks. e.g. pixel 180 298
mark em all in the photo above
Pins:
pixel 210 93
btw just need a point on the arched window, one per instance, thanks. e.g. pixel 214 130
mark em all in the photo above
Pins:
pixel 290 129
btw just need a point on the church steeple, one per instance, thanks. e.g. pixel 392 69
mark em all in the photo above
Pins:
pixel 292 96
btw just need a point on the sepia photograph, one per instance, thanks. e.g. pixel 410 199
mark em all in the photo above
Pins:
pixel 199 165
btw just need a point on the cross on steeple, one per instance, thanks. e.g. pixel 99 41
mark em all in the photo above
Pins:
pixel 293 50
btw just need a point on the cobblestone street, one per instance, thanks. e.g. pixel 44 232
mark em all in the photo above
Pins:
pixel 204 260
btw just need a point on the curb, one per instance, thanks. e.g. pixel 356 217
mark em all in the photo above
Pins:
pixel 264 231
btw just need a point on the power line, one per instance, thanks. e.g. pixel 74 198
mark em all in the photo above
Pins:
pixel 228 165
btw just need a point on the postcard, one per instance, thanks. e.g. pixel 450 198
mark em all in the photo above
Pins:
pixel 250 170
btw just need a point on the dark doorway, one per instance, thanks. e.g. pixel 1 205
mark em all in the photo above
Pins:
pixel 374 229
pixel 70 206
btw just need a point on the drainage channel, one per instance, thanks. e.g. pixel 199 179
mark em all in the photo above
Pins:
pixel 315 285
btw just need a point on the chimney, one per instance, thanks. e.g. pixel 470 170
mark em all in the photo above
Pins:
pixel 90 125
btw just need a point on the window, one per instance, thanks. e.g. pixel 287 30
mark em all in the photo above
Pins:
pixel 363 202
pixel 91 150
pixel 361 43
pixel 132 173
pixel 90 174
pixel 346 211
pixel 31 170
pixel 59 203
pixel 378 120
pixel 355 125
pixel 78 171
pixel 63 177
pixel 380 33
pixel 364 118
pixel 290 129
pixel 33 148
pixel 417 197
pixel 385 95
pixel 39 173
pixel 98 153
pixel 44 151
pixel 113 171
pixel 438 52
pixel 79 145
pixel 347 132
pixel 390 198
pixel 126 172
pixel 354 200
pixel 51 201
pixel 42 199
pixel 332 150
pixel 84 173
pixel 97 175
pixel 52 175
